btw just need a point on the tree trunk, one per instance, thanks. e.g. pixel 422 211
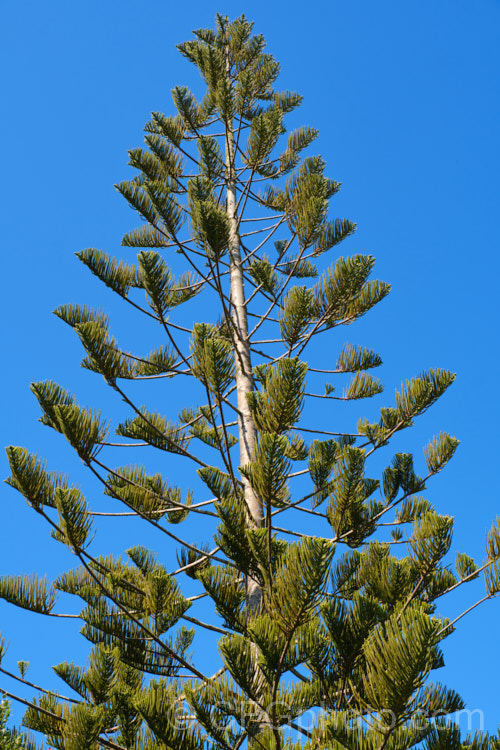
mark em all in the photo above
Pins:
pixel 244 375
pixel 244 385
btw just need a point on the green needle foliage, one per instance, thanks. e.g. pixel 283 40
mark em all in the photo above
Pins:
pixel 11 739
pixel 328 625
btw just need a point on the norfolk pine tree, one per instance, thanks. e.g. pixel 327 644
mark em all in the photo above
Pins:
pixel 341 626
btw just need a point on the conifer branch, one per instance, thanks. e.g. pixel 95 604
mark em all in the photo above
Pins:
pixel 223 449
pixel 150 424
pixel 249 254
pixel 175 505
pixel 130 616
pixel 468 578
pixel 465 612
pixel 261 218
pixel 37 687
pixel 52 715
pixel 280 293
pixel 327 432
pixel 206 625
pixel 195 563
pixel 124 445
pixel 301 534
pixel 174 343
pixel 154 523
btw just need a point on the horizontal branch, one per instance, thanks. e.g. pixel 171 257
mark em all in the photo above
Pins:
pixel 37 687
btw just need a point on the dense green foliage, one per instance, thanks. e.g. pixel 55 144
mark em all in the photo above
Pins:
pixel 326 641
pixel 9 738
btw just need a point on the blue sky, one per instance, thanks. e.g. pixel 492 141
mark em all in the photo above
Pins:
pixel 406 99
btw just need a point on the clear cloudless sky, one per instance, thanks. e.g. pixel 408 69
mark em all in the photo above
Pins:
pixel 406 98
